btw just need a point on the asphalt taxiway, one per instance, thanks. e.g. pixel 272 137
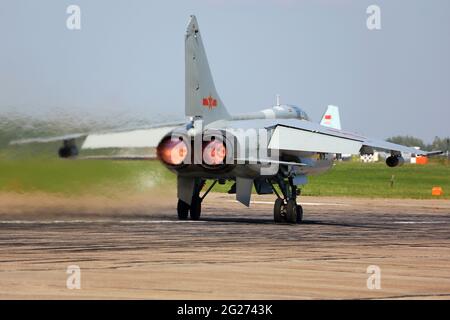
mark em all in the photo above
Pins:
pixel 134 249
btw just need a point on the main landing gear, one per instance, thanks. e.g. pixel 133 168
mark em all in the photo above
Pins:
pixel 286 208
pixel 194 210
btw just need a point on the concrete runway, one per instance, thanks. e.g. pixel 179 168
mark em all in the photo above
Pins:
pixel 133 249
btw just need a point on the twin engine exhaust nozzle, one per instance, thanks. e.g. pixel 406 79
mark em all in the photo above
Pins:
pixel 176 152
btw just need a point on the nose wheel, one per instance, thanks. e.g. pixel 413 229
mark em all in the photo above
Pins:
pixel 286 208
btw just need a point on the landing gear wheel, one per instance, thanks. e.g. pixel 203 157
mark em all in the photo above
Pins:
pixel 299 214
pixel 291 211
pixel 196 208
pixel 285 207
pixel 182 209
pixel 67 152
pixel 277 210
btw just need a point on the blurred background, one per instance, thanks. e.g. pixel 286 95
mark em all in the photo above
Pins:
pixel 126 64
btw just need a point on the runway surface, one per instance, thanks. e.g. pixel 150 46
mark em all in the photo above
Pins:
pixel 132 249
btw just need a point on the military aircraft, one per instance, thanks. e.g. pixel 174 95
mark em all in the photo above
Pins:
pixel 273 150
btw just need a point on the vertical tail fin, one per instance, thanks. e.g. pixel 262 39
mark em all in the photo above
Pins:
pixel 202 99
pixel 331 118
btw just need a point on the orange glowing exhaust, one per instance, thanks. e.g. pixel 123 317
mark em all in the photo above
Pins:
pixel 172 152
pixel 214 153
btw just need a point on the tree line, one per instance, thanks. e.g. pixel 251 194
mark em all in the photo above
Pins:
pixel 437 144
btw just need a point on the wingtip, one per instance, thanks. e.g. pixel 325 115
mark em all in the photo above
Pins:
pixel 434 153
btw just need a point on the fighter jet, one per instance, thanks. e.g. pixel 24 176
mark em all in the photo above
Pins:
pixel 273 150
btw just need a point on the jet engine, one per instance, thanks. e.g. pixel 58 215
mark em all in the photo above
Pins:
pixel 172 151
pixel 214 154
pixel 69 149
pixel 185 155
pixel 394 161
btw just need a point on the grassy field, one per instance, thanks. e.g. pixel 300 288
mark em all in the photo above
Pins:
pixel 70 177
pixel 80 177
pixel 375 180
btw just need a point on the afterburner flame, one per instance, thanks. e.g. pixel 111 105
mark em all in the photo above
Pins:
pixel 172 152
pixel 214 153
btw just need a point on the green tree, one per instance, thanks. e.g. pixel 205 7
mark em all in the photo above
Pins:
pixel 437 144
pixel 440 144
pixel 408 141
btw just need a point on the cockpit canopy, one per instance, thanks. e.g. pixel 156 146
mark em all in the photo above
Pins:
pixel 289 111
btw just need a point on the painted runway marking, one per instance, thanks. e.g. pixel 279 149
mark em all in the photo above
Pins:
pixel 95 221
pixel 51 222
pixel 131 221
pixel 161 221
pixel 420 222
pixel 302 203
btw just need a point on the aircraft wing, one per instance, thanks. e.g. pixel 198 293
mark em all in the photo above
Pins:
pixel 299 135
pixel 308 136
pixel 143 138
pixel 134 138
pixel 49 139
pixel 392 147
pixel 288 134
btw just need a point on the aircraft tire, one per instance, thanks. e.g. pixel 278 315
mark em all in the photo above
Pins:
pixel 277 216
pixel 299 214
pixel 182 210
pixel 291 211
pixel 67 152
pixel 196 208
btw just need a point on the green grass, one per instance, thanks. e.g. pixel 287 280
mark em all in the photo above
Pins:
pixel 374 180
pixel 71 177
pixel 81 177
pixel 354 179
